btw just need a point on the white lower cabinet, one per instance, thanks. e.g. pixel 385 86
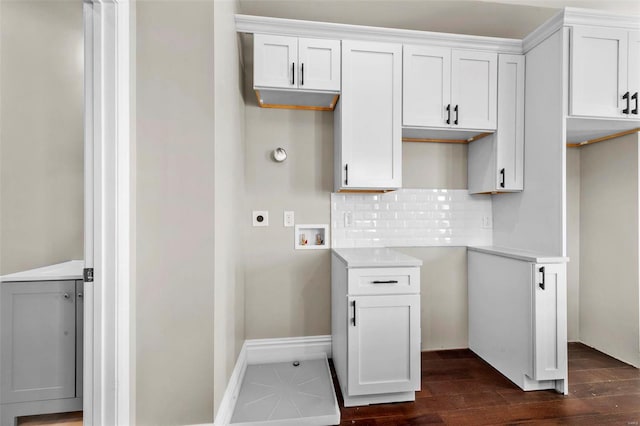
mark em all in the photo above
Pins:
pixel 384 351
pixel 518 317
pixel 375 329
pixel 40 348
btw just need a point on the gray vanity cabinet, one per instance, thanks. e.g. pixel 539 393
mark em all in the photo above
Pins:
pixel 41 345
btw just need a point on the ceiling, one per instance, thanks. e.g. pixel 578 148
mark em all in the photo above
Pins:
pixel 506 18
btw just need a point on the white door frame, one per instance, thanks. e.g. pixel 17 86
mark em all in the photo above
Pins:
pixel 107 366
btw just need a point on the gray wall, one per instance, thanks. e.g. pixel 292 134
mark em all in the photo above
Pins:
pixel 573 244
pixel 229 197
pixel 175 212
pixel 609 299
pixel 41 136
pixel 287 290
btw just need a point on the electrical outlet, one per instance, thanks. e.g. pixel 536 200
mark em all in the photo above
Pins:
pixel 260 218
pixel 348 219
pixel 487 222
pixel 288 219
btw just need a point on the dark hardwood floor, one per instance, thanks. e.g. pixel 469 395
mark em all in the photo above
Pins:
pixel 458 388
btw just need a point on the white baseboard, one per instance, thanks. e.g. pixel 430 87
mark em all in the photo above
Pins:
pixel 287 349
pixel 261 351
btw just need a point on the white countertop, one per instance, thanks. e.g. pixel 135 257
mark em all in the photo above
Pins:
pixel 71 270
pixel 527 256
pixel 375 258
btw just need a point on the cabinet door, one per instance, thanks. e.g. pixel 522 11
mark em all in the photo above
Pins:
pixel 634 72
pixel 371 141
pixel 598 72
pixel 274 61
pixel 510 133
pixel 79 337
pixel 549 322
pixel 383 344
pixel 474 78
pixel 319 64
pixel 426 90
pixel 38 341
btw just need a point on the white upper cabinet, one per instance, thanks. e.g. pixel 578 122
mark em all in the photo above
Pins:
pixel 510 134
pixel 296 63
pixel 275 58
pixel 474 77
pixel 367 119
pixel 319 64
pixel 634 71
pixel 496 162
pixel 445 88
pixel 426 86
pixel 604 72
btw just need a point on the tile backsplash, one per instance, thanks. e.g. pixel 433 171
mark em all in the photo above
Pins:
pixel 411 218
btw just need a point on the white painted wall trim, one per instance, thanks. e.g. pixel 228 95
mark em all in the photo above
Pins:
pixel 287 348
pixel 107 132
pixel 299 28
pixel 258 351
pixel 230 396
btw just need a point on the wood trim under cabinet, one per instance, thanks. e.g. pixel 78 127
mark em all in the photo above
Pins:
pixel 365 191
pixel 438 140
pixel 603 138
pixel 331 107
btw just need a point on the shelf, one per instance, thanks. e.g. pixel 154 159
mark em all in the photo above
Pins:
pixel 311 237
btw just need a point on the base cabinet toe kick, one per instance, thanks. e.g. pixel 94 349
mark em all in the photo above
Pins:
pixel 375 324
pixel 518 316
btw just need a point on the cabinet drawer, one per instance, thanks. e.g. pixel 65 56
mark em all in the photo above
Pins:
pixel 384 281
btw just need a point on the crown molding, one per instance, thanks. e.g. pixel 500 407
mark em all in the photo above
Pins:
pixel 598 18
pixel 571 16
pixel 299 28
pixel 540 34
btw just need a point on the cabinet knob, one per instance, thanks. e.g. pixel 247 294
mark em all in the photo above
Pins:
pixel 79 295
pixel 66 296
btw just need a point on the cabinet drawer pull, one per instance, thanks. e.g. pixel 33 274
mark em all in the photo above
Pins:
pixel 626 96
pixel 302 74
pixel 385 282
pixel 449 114
pixel 542 272
pixel 354 312
pixel 346 175
pixel 457 112
pixel 502 180
pixel 635 98
pixel 293 73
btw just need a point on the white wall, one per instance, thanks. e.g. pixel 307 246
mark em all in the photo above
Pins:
pixel 175 212
pixel 229 255
pixel 534 219
pixel 41 136
pixel 609 294
pixel 573 244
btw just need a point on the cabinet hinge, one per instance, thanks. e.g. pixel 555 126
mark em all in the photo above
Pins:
pixel 87 274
